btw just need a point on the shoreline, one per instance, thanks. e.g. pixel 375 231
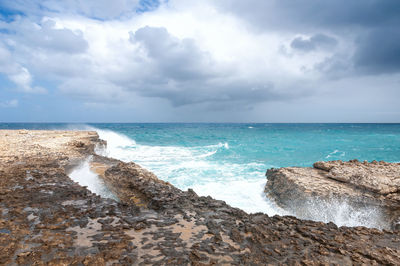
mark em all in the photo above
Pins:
pixel 46 217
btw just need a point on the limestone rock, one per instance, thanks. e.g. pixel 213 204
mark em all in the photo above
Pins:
pixel 374 184
pixel 382 178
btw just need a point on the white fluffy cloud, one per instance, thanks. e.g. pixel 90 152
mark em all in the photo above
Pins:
pixel 17 73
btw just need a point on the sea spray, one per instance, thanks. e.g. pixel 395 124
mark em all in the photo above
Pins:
pixel 341 212
pixel 228 161
pixel 84 176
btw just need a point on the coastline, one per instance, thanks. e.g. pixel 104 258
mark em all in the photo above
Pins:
pixel 48 218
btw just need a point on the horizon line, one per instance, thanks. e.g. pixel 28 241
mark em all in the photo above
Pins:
pixel 199 122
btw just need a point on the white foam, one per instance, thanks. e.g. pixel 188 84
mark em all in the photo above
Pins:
pixel 225 145
pixel 335 153
pixel 219 145
pixel 208 154
pixel 247 195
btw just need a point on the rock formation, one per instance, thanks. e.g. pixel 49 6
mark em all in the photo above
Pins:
pixel 46 218
pixel 375 184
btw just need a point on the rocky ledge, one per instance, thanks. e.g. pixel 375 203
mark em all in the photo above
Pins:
pixel 47 219
pixel 360 184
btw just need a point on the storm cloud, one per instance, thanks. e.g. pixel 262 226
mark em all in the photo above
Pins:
pixel 317 41
pixel 313 14
pixel 185 74
pixel 379 51
pixel 200 61
pixel 370 28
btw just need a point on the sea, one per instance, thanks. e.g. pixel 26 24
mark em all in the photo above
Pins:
pixel 228 161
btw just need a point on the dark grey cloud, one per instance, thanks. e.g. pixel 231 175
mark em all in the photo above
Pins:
pixel 317 41
pixel 336 66
pixel 372 27
pixel 174 59
pixel 379 51
pixel 228 95
pixel 310 14
pixel 376 52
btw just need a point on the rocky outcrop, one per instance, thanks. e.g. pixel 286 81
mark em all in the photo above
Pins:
pixel 375 184
pixel 46 218
pixel 379 177
pixel 58 148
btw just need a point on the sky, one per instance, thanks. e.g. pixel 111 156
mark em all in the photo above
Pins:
pixel 199 61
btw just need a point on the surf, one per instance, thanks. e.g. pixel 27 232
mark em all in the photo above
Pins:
pixel 227 166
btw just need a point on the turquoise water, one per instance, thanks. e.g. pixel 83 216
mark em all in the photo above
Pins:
pixel 272 145
pixel 229 161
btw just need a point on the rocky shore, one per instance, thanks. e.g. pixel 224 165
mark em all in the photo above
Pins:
pixel 47 219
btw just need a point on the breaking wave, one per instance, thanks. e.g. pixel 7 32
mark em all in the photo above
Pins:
pixel 193 167
pixel 239 184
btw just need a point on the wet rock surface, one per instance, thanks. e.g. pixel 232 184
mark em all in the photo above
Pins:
pixel 361 184
pixel 46 218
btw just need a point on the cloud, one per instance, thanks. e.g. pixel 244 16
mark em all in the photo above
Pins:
pixel 9 104
pixel 167 55
pixel 23 79
pixel 46 36
pixel 154 55
pixel 336 66
pixel 154 63
pixel 288 15
pixel 378 52
pixel 317 41
pixel 27 43
pixel 93 90
pixel 17 73
pixel 368 30
pixel 174 59
pixel 186 74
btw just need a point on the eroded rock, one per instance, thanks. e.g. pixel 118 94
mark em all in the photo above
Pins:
pixel 46 218
pixel 379 177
